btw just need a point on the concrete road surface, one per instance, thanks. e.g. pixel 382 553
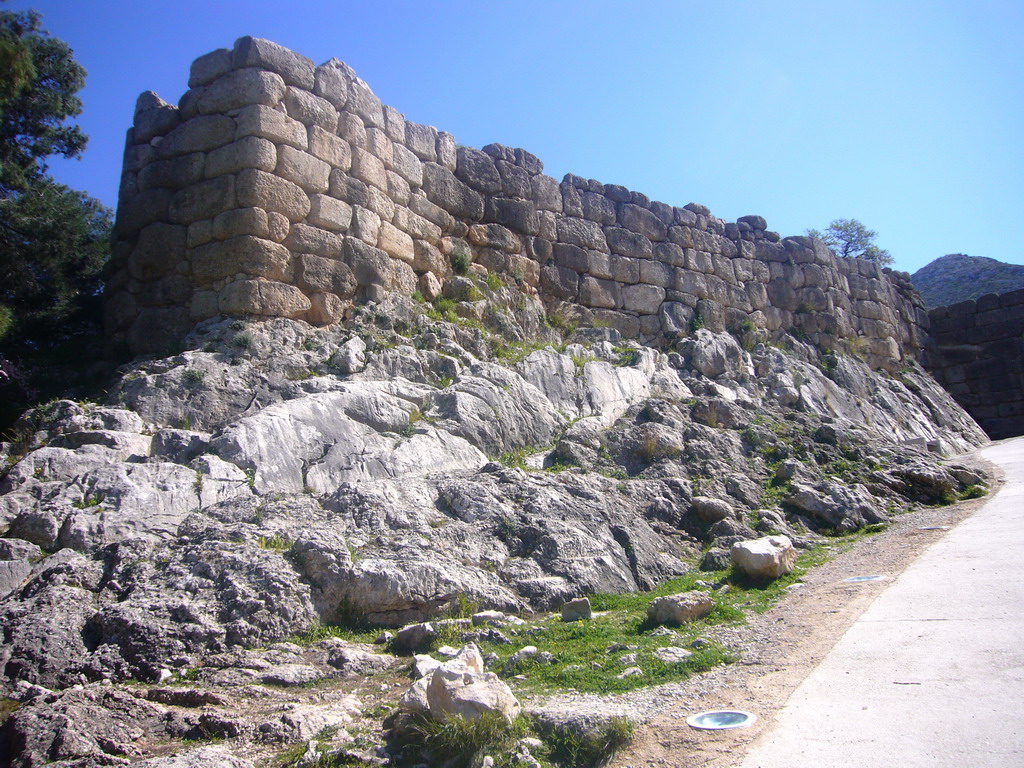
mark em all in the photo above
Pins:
pixel 932 674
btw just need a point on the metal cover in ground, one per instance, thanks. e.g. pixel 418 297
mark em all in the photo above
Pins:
pixel 721 719
pixel 864 578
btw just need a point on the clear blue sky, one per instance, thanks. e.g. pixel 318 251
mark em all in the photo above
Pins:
pixel 905 114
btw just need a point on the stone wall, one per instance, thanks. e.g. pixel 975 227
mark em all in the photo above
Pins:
pixel 279 188
pixel 977 353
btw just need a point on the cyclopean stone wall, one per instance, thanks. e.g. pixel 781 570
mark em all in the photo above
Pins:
pixel 976 351
pixel 279 188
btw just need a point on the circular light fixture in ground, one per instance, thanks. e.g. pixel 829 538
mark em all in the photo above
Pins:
pixel 864 578
pixel 721 719
pixel 934 528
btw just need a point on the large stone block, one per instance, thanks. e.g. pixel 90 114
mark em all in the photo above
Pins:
pixel 302 169
pixel 407 165
pixel 586 234
pixel 642 221
pixel 328 213
pixel 395 242
pixel 319 274
pixel 241 221
pixel 368 168
pixel 330 148
pixel 173 290
pixel 545 192
pixel 421 141
pixel 571 257
pixel 310 110
pixel 435 214
pixel 380 146
pixel 494 236
pixel 626 243
pixel 327 308
pixel 766 558
pixel 642 299
pixel 599 293
pixel 202 201
pixel 352 129
pixel 246 255
pixel 515 181
pixel 263 297
pixel 173 173
pixel 476 169
pixel 447 151
pixel 363 102
pixel 264 190
pixel 365 225
pixel 306 239
pixel 267 123
pixel 209 67
pixel 250 152
pixel 331 82
pixel 559 282
pixel 398 189
pixel 624 269
pixel 158 121
pixel 598 208
pixel 372 267
pixel 417 226
pixel 657 273
pixel 158 330
pixel 159 250
pixel 239 89
pixel 200 134
pixel 518 215
pixel 380 203
pixel 443 189
pixel 256 52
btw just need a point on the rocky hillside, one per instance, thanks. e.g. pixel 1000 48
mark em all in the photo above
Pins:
pixel 274 478
pixel 957 277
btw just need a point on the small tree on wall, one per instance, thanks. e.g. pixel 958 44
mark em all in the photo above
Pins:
pixel 851 239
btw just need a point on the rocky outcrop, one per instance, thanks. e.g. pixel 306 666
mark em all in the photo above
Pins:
pixel 277 188
pixel 957 277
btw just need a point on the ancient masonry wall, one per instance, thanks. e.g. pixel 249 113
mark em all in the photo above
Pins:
pixel 977 353
pixel 279 188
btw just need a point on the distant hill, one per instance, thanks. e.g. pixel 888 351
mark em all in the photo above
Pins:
pixel 957 277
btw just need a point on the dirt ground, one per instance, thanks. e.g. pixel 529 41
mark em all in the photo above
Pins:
pixel 780 647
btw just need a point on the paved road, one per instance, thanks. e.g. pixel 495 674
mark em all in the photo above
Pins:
pixel 932 674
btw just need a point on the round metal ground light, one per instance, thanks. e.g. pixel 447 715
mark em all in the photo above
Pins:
pixel 721 719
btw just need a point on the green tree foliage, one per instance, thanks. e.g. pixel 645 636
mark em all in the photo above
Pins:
pixel 851 239
pixel 53 240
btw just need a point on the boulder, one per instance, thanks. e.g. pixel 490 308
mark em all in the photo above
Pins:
pixel 462 688
pixel 681 608
pixel 764 559
pixel 711 510
pixel 577 609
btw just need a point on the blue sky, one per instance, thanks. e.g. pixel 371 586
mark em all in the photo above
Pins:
pixel 905 114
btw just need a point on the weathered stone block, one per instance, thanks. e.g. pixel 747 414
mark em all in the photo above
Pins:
pixel 599 293
pixel 204 305
pixel 559 282
pixel 200 134
pixel 331 82
pixel 398 189
pixel 395 242
pixel 239 89
pixel 250 152
pixel 586 234
pixel 319 274
pixel 624 269
pixel 306 239
pixel 417 226
pixel 301 168
pixel 256 52
pixel 173 173
pixel 515 181
pixel 330 148
pixel 597 208
pixel 494 236
pixel 642 299
pixel 363 102
pixel 476 169
pixel 159 250
pixel 245 255
pixel 209 67
pixel 267 123
pixel 263 190
pixel 310 110
pixel 670 253
pixel 428 258
pixel 326 309
pixel 203 200
pixel 407 165
pixel 642 221
pixel 626 243
pixel 167 291
pixel 373 267
pixel 328 213
pixel 156 329
pixel 447 151
pixel 241 221
pixel 263 297
pixel 571 257
pixel 421 141
pixel 143 208
pixel 676 318
pixel 546 194
pixel 200 232
pixel 352 129
pixel 627 325
pixel 380 146
pixel 365 225
pixel 657 273
pixel 443 189
pixel 518 215
pixel 278 225
pixel 158 121
pixel 368 168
